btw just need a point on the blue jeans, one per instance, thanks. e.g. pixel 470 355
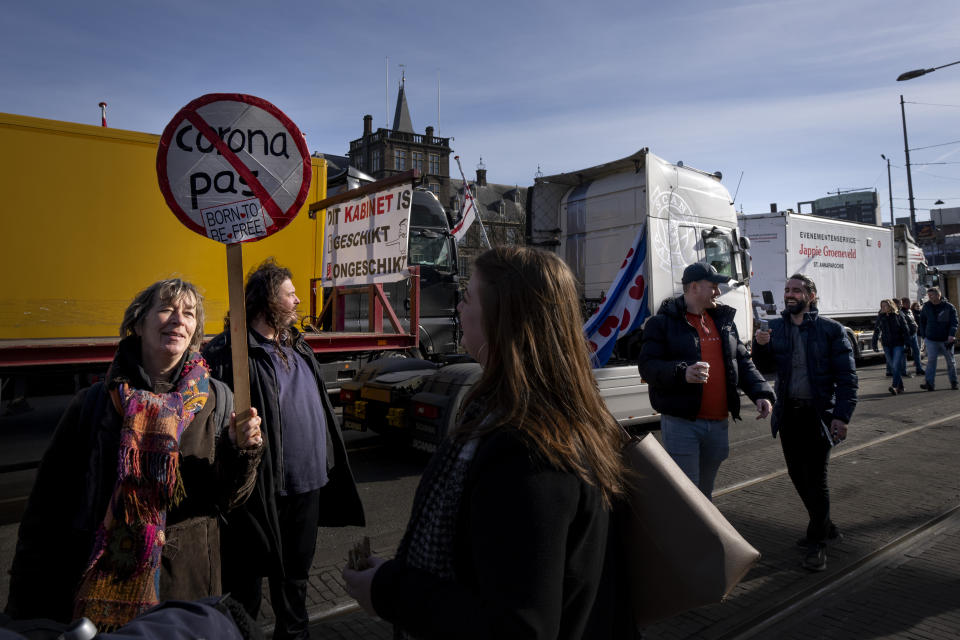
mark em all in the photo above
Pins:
pixel 897 363
pixel 934 350
pixel 914 345
pixel 697 446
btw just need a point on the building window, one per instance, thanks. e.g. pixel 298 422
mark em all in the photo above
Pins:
pixel 359 164
pixel 417 157
pixel 376 160
pixel 433 186
pixel 400 159
pixel 434 164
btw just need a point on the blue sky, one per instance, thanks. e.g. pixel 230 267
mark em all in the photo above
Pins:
pixel 798 95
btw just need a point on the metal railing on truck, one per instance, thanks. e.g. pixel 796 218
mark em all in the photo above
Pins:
pixel 336 340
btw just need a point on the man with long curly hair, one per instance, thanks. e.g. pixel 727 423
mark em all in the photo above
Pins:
pixel 304 480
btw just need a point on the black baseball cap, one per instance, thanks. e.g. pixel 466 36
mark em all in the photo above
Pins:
pixel 703 271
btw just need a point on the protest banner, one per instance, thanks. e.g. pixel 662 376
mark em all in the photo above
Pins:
pixel 366 239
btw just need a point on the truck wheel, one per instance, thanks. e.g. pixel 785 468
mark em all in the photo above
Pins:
pixel 855 345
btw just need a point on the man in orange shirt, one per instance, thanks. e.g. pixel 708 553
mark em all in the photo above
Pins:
pixel 693 362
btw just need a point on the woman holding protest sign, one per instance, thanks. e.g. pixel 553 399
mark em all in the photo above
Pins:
pixel 124 511
pixel 508 533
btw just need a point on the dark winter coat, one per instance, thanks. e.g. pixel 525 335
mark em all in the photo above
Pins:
pixel 76 479
pixel 830 365
pixel 911 321
pixel 938 321
pixel 892 329
pixel 256 525
pixel 529 557
pixel 670 344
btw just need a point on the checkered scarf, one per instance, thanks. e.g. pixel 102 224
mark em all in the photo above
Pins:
pixel 429 538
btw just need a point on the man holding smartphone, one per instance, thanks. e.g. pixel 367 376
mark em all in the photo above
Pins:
pixel 693 362
pixel 816 395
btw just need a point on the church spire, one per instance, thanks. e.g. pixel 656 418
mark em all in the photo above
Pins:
pixel 401 117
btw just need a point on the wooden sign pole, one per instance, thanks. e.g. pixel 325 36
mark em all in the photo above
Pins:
pixel 238 332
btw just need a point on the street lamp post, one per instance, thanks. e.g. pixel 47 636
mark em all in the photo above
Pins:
pixel 910 75
pixel 916 73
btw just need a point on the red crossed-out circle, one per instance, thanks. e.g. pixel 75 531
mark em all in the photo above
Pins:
pixel 189 113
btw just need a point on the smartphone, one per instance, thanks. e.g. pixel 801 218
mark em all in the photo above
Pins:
pixel 764 325
pixel 828 434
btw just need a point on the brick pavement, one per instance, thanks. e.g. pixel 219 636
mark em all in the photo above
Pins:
pixel 915 595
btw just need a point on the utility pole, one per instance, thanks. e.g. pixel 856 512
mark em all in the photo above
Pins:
pixel 889 188
pixel 906 152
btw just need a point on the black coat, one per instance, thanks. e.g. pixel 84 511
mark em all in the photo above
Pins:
pixel 830 366
pixel 670 344
pixel 938 321
pixel 892 329
pixel 529 557
pixel 257 523
pixel 76 480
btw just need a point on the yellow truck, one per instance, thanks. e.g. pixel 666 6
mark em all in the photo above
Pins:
pixel 86 227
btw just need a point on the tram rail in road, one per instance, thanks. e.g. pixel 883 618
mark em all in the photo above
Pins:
pixel 771 613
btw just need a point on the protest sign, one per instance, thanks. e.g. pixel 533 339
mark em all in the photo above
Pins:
pixel 366 239
pixel 233 167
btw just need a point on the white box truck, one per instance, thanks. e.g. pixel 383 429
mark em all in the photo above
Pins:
pixel 591 218
pixel 854 265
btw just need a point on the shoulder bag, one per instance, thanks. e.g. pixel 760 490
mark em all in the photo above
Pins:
pixel 682 553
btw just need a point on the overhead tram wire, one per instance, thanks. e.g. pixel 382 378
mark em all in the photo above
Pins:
pixel 942 144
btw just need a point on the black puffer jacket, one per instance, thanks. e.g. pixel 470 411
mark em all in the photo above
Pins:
pixel 830 366
pixel 938 321
pixel 76 480
pixel 892 329
pixel 257 523
pixel 670 344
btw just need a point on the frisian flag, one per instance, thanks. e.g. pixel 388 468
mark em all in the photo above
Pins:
pixel 624 307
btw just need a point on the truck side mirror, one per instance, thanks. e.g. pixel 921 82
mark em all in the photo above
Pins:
pixel 744 243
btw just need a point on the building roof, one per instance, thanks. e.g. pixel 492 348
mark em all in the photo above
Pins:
pixel 401 117
pixel 490 196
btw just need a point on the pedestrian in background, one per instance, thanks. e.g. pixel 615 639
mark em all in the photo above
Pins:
pixel 938 326
pixel 508 533
pixel 125 509
pixel 693 362
pixel 913 342
pixel 305 479
pixel 892 329
pixel 816 395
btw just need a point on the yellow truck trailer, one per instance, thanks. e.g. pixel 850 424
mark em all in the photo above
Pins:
pixel 85 227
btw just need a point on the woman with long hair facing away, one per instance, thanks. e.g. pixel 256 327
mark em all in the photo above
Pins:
pixel 508 533
pixel 126 507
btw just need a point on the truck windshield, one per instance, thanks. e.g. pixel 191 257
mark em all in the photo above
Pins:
pixel 719 252
pixel 431 249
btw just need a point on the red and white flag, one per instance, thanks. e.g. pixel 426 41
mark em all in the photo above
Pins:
pixel 469 214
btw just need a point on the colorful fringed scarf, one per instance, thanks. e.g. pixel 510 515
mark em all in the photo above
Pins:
pixel 122 578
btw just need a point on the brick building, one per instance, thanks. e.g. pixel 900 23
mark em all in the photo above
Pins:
pixel 385 152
